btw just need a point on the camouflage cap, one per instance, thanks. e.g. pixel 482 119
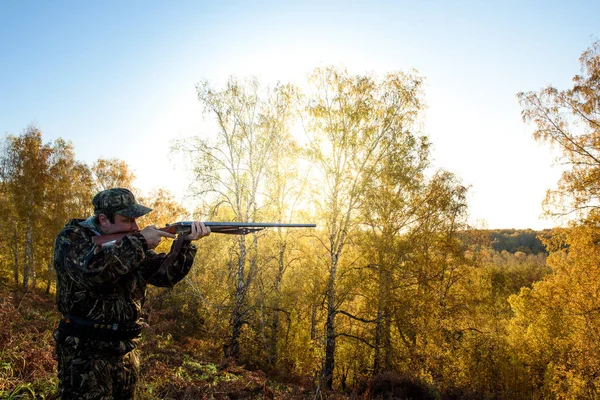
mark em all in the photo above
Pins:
pixel 118 201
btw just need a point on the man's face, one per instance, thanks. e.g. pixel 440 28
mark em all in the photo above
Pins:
pixel 121 224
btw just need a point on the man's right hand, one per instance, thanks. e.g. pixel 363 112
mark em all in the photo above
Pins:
pixel 153 235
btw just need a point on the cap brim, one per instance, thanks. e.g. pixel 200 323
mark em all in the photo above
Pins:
pixel 134 211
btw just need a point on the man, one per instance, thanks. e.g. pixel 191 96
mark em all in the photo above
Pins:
pixel 100 291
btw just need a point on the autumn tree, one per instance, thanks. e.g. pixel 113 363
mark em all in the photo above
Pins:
pixel 10 245
pixel 392 197
pixel 43 185
pixel 353 122
pixel 556 326
pixel 434 267
pixel 68 196
pixel 231 169
pixel 569 120
pixel 111 173
pixel 285 192
pixel 25 175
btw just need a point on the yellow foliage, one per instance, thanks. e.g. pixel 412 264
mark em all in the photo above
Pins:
pixel 556 328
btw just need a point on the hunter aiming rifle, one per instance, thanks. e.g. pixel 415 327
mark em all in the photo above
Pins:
pixel 183 228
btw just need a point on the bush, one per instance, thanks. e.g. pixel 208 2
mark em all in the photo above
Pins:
pixel 390 385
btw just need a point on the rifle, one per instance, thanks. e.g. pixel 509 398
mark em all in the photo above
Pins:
pixel 184 227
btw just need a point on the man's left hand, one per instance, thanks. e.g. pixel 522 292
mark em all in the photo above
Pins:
pixel 198 231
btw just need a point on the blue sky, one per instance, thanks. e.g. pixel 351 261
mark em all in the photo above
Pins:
pixel 117 78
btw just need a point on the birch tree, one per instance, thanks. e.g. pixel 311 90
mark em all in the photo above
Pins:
pixel 230 170
pixel 351 122
pixel 393 197
pixel 285 191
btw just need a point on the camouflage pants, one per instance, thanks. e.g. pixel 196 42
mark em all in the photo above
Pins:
pixel 90 375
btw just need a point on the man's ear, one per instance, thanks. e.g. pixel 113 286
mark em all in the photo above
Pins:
pixel 104 221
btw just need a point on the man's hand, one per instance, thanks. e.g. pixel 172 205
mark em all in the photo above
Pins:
pixel 198 231
pixel 153 235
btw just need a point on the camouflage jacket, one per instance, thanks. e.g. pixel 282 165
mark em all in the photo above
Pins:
pixel 108 283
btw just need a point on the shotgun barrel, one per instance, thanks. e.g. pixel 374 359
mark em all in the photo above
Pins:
pixel 229 228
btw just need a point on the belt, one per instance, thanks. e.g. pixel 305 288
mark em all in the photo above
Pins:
pixel 82 327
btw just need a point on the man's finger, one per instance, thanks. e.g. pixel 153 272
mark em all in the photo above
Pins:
pixel 205 230
pixel 167 234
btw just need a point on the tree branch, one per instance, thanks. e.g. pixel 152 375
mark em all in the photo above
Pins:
pixel 366 321
pixel 356 338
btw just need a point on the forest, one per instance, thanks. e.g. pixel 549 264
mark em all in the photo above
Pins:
pixel 393 295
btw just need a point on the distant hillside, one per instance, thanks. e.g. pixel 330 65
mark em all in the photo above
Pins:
pixel 512 240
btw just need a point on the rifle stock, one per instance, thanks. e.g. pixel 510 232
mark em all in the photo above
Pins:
pixel 184 227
